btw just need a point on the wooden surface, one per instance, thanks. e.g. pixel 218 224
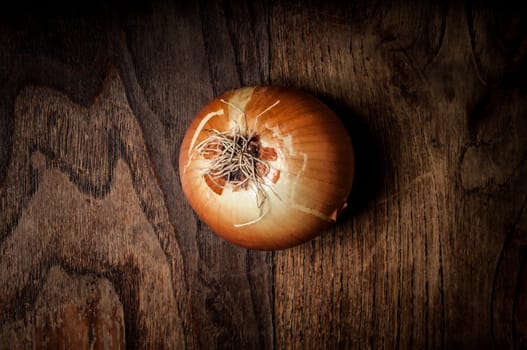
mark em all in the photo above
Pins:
pixel 99 249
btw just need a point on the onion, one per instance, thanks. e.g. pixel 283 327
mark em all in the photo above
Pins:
pixel 267 167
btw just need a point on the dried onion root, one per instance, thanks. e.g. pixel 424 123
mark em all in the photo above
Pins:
pixel 235 160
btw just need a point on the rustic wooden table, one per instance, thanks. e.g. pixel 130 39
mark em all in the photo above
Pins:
pixel 98 247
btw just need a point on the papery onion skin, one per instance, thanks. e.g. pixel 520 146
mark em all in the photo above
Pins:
pixel 314 163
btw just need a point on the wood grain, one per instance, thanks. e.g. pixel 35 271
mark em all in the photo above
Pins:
pixel 418 265
pixel 99 248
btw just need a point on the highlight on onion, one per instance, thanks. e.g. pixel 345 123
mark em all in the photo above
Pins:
pixel 267 167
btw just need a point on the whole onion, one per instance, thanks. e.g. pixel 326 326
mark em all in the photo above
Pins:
pixel 267 167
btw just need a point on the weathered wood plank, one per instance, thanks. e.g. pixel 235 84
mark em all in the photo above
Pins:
pixel 413 265
pixel 83 111
pixel 91 210
pixel 207 48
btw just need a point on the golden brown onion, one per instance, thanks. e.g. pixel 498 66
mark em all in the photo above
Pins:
pixel 266 167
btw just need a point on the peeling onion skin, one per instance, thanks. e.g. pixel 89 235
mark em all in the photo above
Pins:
pixel 307 184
